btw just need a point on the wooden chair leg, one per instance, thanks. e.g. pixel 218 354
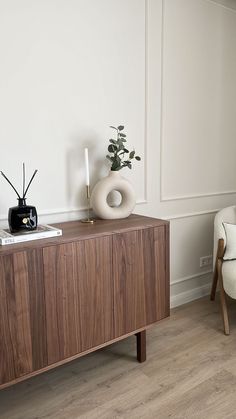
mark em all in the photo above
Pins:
pixel 219 256
pixel 214 283
pixel 223 302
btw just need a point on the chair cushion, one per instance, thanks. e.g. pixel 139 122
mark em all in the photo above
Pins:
pixel 226 215
pixel 230 250
pixel 229 277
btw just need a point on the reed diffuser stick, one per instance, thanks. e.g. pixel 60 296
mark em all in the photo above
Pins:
pixel 24 190
pixel 13 187
pixel 29 183
pixel 23 179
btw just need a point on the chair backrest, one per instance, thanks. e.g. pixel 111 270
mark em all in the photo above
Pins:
pixel 226 215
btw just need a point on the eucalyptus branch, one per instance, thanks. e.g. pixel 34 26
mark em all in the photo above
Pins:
pixel 118 150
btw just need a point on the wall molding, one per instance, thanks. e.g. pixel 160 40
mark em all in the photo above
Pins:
pixel 146 58
pixel 223 6
pixel 164 198
pixel 189 277
pixel 190 295
pixel 189 214
pixel 195 196
pixel 161 99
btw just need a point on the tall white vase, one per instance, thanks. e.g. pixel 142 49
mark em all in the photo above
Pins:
pixel 99 197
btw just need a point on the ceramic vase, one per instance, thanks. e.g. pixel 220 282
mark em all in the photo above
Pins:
pixel 99 197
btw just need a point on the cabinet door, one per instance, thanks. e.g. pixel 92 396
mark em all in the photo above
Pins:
pixel 141 280
pixel 22 315
pixel 78 296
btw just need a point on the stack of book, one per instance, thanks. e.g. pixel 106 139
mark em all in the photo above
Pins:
pixel 42 232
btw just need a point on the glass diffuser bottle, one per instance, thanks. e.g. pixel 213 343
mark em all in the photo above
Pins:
pixel 22 217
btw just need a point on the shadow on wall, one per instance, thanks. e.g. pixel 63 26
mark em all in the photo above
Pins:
pixel 75 166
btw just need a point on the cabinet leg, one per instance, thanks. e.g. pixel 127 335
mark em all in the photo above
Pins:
pixel 141 346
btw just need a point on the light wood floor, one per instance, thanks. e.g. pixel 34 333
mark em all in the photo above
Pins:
pixel 190 373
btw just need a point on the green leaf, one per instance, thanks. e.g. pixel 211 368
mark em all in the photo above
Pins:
pixel 109 158
pixel 112 148
pixel 120 127
pixel 131 154
pixel 125 150
pixel 129 165
pixel 122 135
pixel 123 140
pixel 120 144
pixel 112 141
pixel 116 163
pixel 114 168
pixel 113 127
pixel 138 158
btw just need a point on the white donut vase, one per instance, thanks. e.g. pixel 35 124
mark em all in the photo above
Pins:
pixel 99 197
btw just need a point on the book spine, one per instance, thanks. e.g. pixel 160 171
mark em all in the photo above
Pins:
pixel 20 239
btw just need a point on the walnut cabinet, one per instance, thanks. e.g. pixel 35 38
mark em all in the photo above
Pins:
pixel 64 297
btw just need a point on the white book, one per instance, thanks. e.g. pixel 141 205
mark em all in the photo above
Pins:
pixel 42 232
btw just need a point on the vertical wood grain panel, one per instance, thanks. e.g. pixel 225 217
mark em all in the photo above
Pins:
pixel 141 294
pixel 161 251
pixel 63 329
pixel 7 367
pixel 15 316
pixel 23 349
pixel 69 289
pixel 151 283
pixel 55 352
pixel 156 248
pixel 129 291
pixel 78 297
pixel 37 308
pixel 95 290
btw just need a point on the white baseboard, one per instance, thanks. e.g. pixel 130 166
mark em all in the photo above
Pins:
pixel 190 295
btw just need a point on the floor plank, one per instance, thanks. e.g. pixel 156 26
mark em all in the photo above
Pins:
pixel 190 372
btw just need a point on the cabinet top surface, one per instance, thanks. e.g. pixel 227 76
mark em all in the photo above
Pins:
pixel 75 230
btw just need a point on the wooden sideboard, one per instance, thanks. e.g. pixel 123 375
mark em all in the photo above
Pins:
pixel 64 297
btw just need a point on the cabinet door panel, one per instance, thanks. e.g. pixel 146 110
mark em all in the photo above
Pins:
pixel 95 291
pixel 78 296
pixel 61 302
pixel 129 284
pixel 22 326
pixel 141 285
pixel 37 308
pixel 7 366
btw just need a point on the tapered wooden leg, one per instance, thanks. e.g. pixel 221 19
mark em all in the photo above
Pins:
pixel 214 283
pixel 141 346
pixel 223 302
pixel 218 267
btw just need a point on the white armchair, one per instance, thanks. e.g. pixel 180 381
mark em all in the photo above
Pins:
pixel 224 271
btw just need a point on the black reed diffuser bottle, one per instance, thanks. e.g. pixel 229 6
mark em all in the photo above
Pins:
pixel 22 217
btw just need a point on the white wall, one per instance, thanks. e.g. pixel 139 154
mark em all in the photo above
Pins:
pixel 69 69
pixel 166 69
pixel 198 131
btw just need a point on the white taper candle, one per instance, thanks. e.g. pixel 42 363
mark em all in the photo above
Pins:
pixel 86 166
